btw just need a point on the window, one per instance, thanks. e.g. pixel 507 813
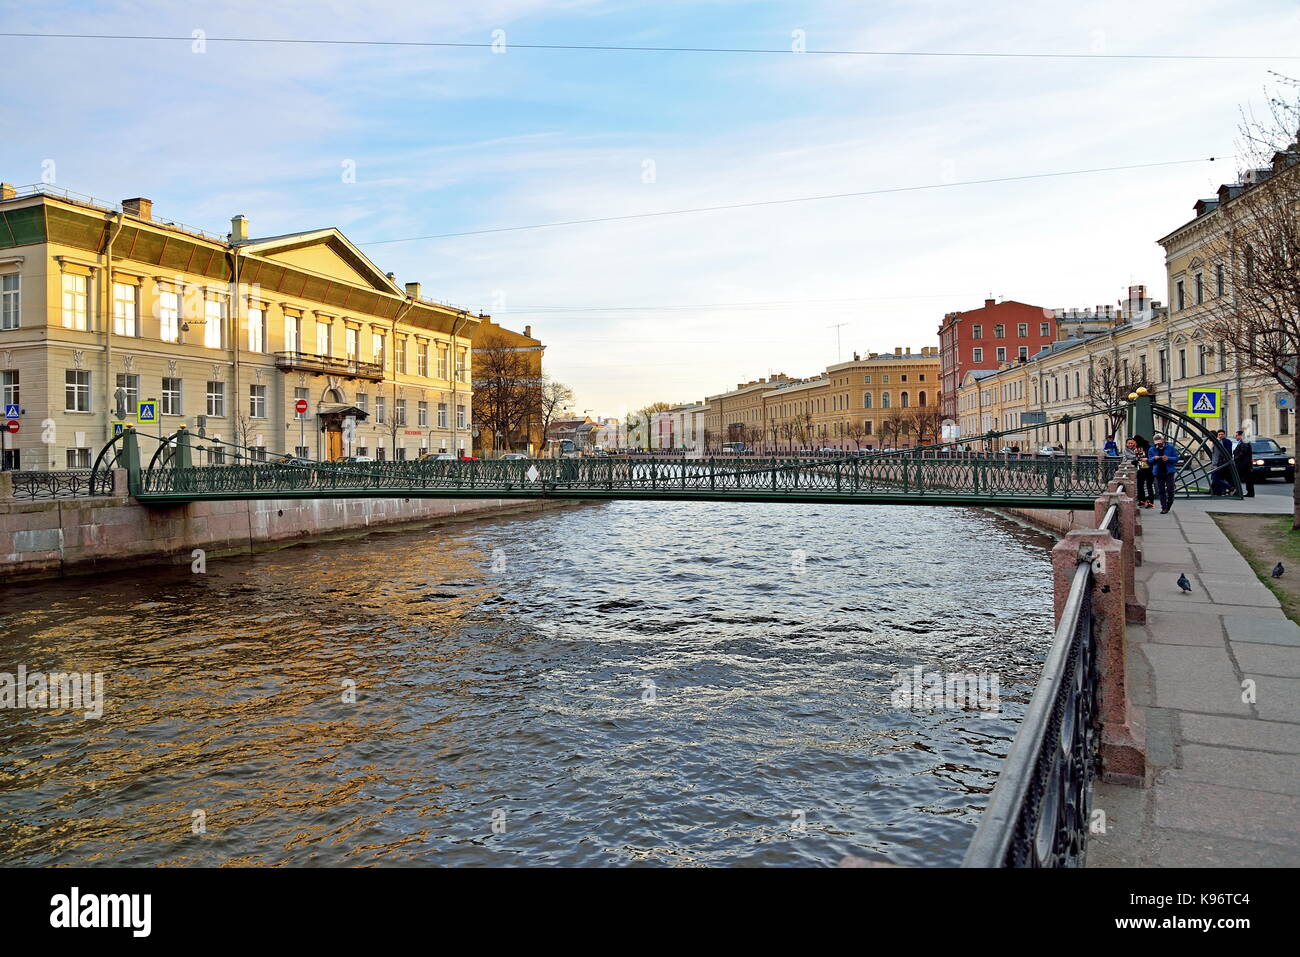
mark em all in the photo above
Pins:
pixel 75 298
pixel 130 386
pixel 171 397
pixel 300 392
pixel 462 365
pixel 293 333
pixel 363 403
pixel 399 356
pixel 1002 353
pixel 977 331
pixel 76 391
pixel 442 362
pixel 377 347
pixel 1044 329
pixel 1022 330
pixel 866 379
pixel 999 331
pixel 303 452
pixel 9 301
pixel 422 358
pixel 1142 367
pixel 1182 363
pixel 324 332
pixel 257 401
pixel 124 311
pixel 381 409
pixel 905 400
pixel 78 458
pixel 169 316
pixel 214 318
pixel 921 399
pixel 1023 353
pixel 9 391
pixel 399 454
pixel 902 378
pixel 884 379
pixel 399 412
pixel 1181 295
pixel 1163 357
pixel 977 354
pixel 1200 289
pixel 1218 280
pixel 884 400
pixel 1283 422
pixel 256 330
pixel 216 396
pixel 460 417
pixel 442 415
pixel 350 344
pixel 422 414
pixel 866 427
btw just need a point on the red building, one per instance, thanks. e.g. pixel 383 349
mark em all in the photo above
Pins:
pixel 985 338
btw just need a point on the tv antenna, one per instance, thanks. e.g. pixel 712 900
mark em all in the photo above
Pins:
pixel 837 326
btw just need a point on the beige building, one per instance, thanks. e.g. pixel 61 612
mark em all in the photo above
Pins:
pixel 738 415
pixel 106 309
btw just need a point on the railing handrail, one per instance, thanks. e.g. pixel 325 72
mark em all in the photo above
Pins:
pixel 999 824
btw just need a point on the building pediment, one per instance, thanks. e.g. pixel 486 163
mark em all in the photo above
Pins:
pixel 326 252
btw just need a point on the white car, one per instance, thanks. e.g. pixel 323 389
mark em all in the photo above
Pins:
pixel 514 457
pixel 1051 450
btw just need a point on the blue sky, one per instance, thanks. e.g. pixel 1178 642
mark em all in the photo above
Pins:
pixel 448 140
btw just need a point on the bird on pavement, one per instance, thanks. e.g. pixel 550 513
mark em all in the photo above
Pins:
pixel 1183 583
pixel 1278 570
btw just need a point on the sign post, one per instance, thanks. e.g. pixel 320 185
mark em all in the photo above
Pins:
pixel 12 411
pixel 301 408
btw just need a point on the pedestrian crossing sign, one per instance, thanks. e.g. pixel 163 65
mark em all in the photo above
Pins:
pixel 147 411
pixel 118 428
pixel 1203 403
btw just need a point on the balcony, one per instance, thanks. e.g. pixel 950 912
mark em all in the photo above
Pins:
pixel 328 365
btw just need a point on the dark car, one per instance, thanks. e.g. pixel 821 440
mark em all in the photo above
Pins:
pixel 1270 460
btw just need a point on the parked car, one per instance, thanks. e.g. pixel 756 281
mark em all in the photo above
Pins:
pixel 1051 450
pixel 297 460
pixel 514 456
pixel 438 457
pixel 1269 460
pixel 354 459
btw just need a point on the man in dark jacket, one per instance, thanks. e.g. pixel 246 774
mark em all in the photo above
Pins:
pixel 1164 464
pixel 1221 483
pixel 1242 454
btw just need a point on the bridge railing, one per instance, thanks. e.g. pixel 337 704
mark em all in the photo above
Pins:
pixel 775 475
pixel 1078 722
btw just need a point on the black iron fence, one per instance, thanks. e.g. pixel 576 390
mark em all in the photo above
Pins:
pixel 73 483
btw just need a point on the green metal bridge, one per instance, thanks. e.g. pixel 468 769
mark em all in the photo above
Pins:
pixel 927 476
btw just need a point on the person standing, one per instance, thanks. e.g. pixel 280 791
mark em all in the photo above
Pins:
pixel 1164 466
pixel 1110 448
pixel 1221 482
pixel 1136 448
pixel 1242 456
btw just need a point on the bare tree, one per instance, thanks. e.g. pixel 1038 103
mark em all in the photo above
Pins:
pixel 926 420
pixel 1257 245
pixel 507 391
pixel 1109 385
pixel 555 397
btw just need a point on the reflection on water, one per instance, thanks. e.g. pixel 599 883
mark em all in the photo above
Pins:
pixel 611 684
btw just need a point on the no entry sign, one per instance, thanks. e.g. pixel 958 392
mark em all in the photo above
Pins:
pixel 300 406
pixel 12 425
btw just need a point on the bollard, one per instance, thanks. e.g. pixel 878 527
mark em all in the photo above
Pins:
pixel 1123 737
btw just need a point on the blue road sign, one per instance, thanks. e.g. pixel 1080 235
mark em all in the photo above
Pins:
pixel 11 411
pixel 118 428
pixel 147 411
pixel 1203 402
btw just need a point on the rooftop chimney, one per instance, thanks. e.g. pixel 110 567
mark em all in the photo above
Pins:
pixel 139 207
pixel 7 191
pixel 528 332
pixel 239 229
pixel 413 290
pixel 898 350
pixel 990 302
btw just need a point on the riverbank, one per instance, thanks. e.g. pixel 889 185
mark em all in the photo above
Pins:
pixel 76 536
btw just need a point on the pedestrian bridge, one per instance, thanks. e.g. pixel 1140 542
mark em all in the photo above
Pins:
pixel 931 476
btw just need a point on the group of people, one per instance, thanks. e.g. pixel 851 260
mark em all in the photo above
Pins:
pixel 1157 466
pixel 1239 452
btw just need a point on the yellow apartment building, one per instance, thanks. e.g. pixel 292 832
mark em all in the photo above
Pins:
pixel 491 338
pixel 106 307
pixel 738 415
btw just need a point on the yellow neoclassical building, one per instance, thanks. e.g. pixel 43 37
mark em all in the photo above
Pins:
pixel 104 307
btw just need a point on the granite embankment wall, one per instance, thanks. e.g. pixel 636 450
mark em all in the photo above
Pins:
pixel 53 538
pixel 1053 520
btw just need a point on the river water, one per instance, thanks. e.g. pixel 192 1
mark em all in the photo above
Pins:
pixel 617 684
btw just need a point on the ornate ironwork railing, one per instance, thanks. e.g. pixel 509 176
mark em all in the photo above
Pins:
pixel 1062 482
pixel 1038 814
pixel 73 483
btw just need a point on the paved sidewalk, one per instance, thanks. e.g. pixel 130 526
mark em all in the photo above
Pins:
pixel 1226 772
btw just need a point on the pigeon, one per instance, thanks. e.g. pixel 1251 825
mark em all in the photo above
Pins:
pixel 1183 583
pixel 1278 570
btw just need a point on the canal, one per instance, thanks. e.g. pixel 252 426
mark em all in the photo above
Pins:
pixel 616 684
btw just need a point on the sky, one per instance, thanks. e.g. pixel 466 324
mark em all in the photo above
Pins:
pixel 393 143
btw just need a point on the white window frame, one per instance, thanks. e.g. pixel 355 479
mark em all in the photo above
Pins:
pixel 76 394
pixel 170 407
pixel 76 301
pixel 126 309
pixel 169 316
pixel 10 301
pixel 214 321
pixel 256 401
pixel 215 399
pixel 256 329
